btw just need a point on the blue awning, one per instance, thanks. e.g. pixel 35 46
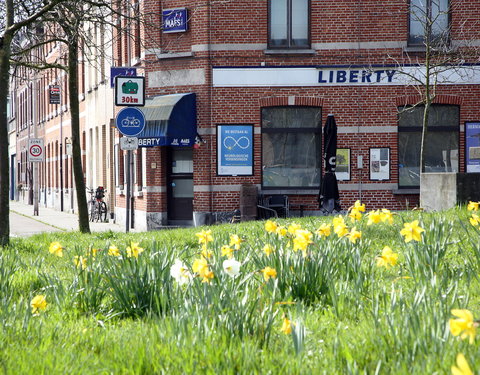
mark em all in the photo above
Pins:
pixel 170 120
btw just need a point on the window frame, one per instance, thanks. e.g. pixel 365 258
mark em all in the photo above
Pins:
pixel 421 44
pixel 418 129
pixel 312 130
pixel 289 28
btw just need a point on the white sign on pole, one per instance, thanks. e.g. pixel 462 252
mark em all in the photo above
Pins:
pixel 128 143
pixel 36 150
pixel 129 91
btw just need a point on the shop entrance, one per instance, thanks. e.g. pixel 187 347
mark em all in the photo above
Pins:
pixel 180 186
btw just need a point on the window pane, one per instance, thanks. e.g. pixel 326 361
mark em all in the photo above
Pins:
pixel 440 19
pixel 278 22
pixel 300 23
pixel 291 159
pixel 439 115
pixel 182 160
pixel 418 15
pixel 294 117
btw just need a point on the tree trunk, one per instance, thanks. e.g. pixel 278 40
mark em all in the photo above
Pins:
pixel 84 226
pixel 5 52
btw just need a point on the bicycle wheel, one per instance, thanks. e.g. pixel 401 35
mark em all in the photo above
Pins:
pixel 91 210
pixel 102 211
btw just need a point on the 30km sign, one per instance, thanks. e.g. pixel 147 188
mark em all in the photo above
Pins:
pixel 36 150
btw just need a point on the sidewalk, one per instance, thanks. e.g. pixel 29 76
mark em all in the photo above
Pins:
pixel 61 220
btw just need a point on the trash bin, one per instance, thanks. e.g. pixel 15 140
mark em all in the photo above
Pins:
pixel 248 202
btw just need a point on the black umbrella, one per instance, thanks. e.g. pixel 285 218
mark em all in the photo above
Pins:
pixel 329 198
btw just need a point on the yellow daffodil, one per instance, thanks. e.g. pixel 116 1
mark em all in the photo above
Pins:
pixel 355 215
pixel 204 237
pixel 235 241
pixel 80 262
pixel 339 226
pixel 354 235
pixel 473 206
pixel 462 367
pixel 227 251
pixel 206 253
pixel 268 249
pixel 287 326
pixel 292 228
pixel 94 252
pixel 358 206
pixel 38 303
pixel 268 273
pixel 463 325
pixel 56 249
pixel 386 216
pixel 475 220
pixel 113 251
pixel 271 226
pixel 302 239
pixel 281 231
pixel 411 231
pixel 134 250
pixel 374 217
pixel 388 258
pixel 200 267
pixel 324 230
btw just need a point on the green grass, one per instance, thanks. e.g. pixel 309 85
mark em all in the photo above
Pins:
pixel 128 315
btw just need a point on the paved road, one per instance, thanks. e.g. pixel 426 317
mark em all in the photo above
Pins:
pixel 23 226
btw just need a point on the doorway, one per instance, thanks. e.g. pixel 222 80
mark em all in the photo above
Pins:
pixel 180 186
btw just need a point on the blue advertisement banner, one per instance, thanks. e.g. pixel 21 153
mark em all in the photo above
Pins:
pixel 119 71
pixel 235 150
pixel 472 146
pixel 175 20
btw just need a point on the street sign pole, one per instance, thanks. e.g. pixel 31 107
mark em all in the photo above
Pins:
pixel 127 198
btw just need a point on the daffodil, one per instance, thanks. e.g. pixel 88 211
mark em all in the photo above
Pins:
pixel 358 206
pixel 206 253
pixel 227 251
pixel 204 237
pixel 464 325
pixel 388 258
pixel 339 226
pixel 134 250
pixel 268 273
pixel 462 367
pixel 412 231
pixel 355 215
pixel 473 206
pixel 271 226
pixel 374 217
pixel 231 267
pixel 287 326
pixel 80 261
pixel 302 239
pixel 292 228
pixel 94 252
pixel 235 241
pixel 324 230
pixel 354 235
pixel 386 216
pixel 268 249
pixel 200 267
pixel 113 251
pixel 38 303
pixel 56 249
pixel 180 272
pixel 475 220
pixel 281 231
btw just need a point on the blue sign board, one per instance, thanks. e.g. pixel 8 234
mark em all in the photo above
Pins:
pixel 130 121
pixel 119 71
pixel 175 20
pixel 472 146
pixel 235 150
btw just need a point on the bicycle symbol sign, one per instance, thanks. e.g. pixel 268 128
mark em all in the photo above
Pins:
pixel 229 142
pixel 130 121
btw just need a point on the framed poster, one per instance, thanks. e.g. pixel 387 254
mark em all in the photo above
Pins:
pixel 342 170
pixel 380 164
pixel 234 150
pixel 472 147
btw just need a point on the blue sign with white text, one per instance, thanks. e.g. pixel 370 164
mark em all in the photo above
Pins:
pixel 235 150
pixel 130 121
pixel 118 71
pixel 175 20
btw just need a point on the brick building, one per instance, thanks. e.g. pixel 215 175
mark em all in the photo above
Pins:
pixel 266 74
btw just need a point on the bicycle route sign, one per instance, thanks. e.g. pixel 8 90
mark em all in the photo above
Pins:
pixel 36 150
pixel 130 121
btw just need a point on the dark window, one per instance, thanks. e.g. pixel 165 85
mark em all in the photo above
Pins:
pixel 429 22
pixel 291 147
pixel 441 148
pixel 289 24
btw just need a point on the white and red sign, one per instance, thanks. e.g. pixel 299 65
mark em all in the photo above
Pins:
pixel 129 91
pixel 36 150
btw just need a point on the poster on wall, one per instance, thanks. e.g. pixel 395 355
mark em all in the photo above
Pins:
pixel 235 150
pixel 342 170
pixel 380 164
pixel 472 146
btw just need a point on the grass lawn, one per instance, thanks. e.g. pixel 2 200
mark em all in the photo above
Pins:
pixel 314 295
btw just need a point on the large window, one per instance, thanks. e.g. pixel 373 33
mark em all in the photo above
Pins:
pixel 441 148
pixel 291 147
pixel 289 24
pixel 429 22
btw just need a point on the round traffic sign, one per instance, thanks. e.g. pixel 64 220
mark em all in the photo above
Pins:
pixel 35 151
pixel 130 121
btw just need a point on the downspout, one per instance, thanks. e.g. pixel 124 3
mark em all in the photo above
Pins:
pixel 210 115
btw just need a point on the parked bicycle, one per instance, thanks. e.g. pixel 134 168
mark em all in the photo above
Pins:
pixel 97 208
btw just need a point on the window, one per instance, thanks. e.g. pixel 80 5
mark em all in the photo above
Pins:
pixel 442 142
pixel 291 147
pixel 289 24
pixel 429 22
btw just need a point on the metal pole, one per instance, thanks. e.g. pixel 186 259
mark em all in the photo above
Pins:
pixel 127 198
pixel 61 152
pixel 35 165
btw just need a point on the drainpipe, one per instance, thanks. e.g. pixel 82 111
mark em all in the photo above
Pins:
pixel 210 97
